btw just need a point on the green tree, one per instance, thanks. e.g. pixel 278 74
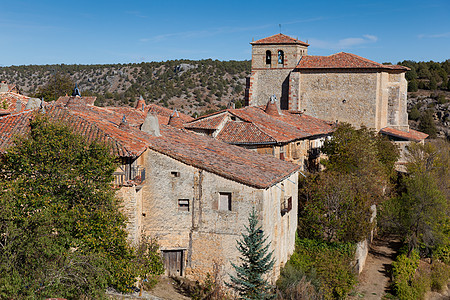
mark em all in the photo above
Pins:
pixel 426 124
pixel 421 211
pixel 255 262
pixel 413 86
pixel 336 204
pixel 61 231
pixel 433 84
pixel 414 114
pixel 58 85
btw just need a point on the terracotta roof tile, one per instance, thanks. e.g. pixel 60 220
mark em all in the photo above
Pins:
pixel 343 60
pixel 265 128
pixel 279 39
pixel 8 102
pixel 89 100
pixel 244 133
pixel 136 116
pixel 206 122
pixel 232 162
pixel 411 135
pixel 124 140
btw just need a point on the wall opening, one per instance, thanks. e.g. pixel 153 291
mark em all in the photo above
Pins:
pixel 183 204
pixel 268 57
pixel 173 262
pixel 280 57
pixel 224 201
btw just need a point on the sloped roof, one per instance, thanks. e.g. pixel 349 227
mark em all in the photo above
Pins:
pixel 125 141
pixel 343 60
pixel 279 39
pixel 89 100
pixel 265 128
pixel 212 122
pixel 244 133
pixel 232 162
pixel 8 102
pixel 136 116
pixel 411 135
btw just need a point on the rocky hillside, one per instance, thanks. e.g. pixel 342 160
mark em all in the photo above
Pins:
pixel 190 86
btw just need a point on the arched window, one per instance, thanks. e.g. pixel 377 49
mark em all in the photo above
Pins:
pixel 280 57
pixel 268 57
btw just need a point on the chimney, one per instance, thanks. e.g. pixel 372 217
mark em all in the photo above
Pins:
pixel 140 104
pixel 151 125
pixel 175 120
pixel 18 105
pixel 271 107
pixel 33 103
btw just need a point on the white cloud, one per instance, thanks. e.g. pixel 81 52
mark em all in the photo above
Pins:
pixel 434 36
pixel 346 43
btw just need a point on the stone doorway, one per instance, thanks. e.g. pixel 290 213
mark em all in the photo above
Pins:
pixel 173 262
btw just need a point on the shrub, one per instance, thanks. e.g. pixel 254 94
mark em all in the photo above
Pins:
pixel 414 114
pixel 328 266
pixel 403 271
pixel 440 274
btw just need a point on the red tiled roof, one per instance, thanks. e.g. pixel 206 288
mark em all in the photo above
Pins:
pixel 343 60
pixel 89 100
pixel 206 122
pixel 125 141
pixel 8 102
pixel 279 39
pixel 244 133
pixel 285 127
pixel 411 135
pixel 135 116
pixel 232 162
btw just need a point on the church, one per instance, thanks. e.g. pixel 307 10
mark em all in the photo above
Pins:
pixel 342 87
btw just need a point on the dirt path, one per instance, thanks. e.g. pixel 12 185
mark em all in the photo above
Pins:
pixel 374 279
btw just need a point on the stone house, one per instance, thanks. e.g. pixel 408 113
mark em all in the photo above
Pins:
pixel 342 87
pixel 193 193
pixel 288 135
pixel 12 102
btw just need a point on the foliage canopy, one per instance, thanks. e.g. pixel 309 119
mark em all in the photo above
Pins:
pixel 61 231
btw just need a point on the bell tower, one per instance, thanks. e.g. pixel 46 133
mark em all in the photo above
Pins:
pixel 273 59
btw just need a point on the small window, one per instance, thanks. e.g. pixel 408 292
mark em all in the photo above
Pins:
pixel 175 174
pixel 224 201
pixel 183 204
pixel 280 57
pixel 268 57
pixel 286 205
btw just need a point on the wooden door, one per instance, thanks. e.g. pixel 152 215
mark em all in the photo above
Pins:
pixel 173 262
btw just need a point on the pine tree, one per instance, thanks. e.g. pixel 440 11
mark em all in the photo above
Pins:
pixel 255 262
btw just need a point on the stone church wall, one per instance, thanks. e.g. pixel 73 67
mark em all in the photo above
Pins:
pixel 342 96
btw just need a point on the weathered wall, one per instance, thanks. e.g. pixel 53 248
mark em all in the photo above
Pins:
pixel 268 82
pixel 281 228
pixel 273 79
pixel 132 208
pixel 340 95
pixel 208 235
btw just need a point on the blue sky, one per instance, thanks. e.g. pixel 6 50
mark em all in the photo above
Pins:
pixel 99 32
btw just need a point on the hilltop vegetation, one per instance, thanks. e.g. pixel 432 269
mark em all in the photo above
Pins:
pixel 189 86
pixel 429 96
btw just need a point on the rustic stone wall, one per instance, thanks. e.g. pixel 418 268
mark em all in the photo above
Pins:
pixel 292 55
pixel 344 96
pixel 268 82
pixel 208 235
pixel 273 79
pixel 132 208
